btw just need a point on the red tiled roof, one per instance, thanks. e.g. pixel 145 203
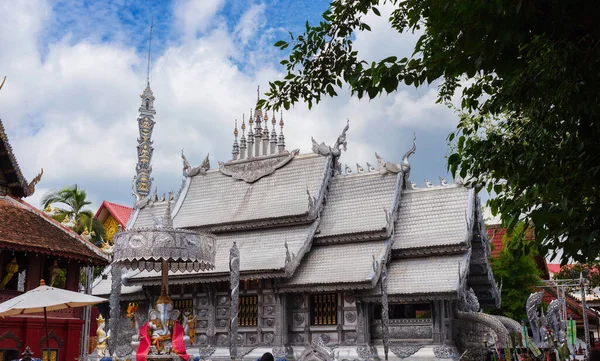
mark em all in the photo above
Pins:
pixel 496 234
pixel 119 212
pixel 573 306
pixel 26 228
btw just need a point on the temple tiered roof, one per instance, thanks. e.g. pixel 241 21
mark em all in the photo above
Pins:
pixel 302 220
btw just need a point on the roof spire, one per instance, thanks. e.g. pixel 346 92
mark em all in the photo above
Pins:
pixel 273 141
pixel 142 181
pixel 258 112
pixel 149 48
pixel 243 139
pixel 281 140
pixel 236 148
pixel 250 136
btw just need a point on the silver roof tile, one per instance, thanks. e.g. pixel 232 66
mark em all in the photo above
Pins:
pixel 358 203
pixel 338 263
pixel 437 274
pixel 434 217
pixel 215 198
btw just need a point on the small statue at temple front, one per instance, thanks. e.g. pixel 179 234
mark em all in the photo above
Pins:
pixel 54 272
pixel 190 326
pixel 102 337
pixel 162 333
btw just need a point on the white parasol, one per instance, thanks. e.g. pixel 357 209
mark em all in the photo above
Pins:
pixel 45 298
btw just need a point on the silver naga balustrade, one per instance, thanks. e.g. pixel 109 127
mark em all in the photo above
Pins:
pixel 385 319
pixel 234 282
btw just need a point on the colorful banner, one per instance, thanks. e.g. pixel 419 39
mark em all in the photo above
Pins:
pixel 533 347
pixel 571 332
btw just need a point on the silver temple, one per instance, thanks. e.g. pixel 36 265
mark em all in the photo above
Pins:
pixel 313 244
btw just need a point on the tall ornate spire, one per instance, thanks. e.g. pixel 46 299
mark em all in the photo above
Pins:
pixel 281 140
pixel 273 134
pixel 243 145
pixel 257 131
pixel 250 136
pixel 143 169
pixel 236 147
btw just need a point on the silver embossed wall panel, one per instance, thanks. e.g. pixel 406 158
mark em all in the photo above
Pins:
pixel 405 329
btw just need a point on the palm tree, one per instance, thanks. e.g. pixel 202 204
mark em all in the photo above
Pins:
pixel 74 199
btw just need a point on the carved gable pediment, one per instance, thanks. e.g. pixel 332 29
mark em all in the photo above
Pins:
pixel 253 169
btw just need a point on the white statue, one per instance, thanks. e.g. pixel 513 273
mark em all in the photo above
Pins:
pixel 21 282
pixel 103 337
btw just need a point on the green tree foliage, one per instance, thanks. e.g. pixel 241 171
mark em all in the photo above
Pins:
pixel 529 72
pixel 75 200
pixel 519 276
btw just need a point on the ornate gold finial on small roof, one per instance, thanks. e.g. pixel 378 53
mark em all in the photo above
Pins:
pixel 235 130
pixel 164 297
pixel 100 319
pixel 243 123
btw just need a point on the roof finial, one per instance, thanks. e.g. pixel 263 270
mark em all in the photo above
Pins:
pixel 273 141
pixel 250 149
pixel 257 111
pixel 281 139
pixel 281 122
pixel 243 144
pixel 405 163
pixel 149 48
pixel 236 148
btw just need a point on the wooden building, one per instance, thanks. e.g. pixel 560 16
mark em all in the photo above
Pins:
pixel 34 246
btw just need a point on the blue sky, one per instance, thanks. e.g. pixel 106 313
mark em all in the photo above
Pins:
pixel 75 71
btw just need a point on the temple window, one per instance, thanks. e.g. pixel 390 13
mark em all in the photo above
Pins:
pixel 323 309
pixel 53 354
pixel 9 354
pixel 248 311
pixel 183 305
pixel 409 310
pixel 13 273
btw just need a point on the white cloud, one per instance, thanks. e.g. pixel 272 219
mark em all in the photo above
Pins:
pixel 251 21
pixel 195 16
pixel 72 107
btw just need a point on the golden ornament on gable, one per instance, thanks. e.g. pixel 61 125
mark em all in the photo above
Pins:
pixel 111 226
